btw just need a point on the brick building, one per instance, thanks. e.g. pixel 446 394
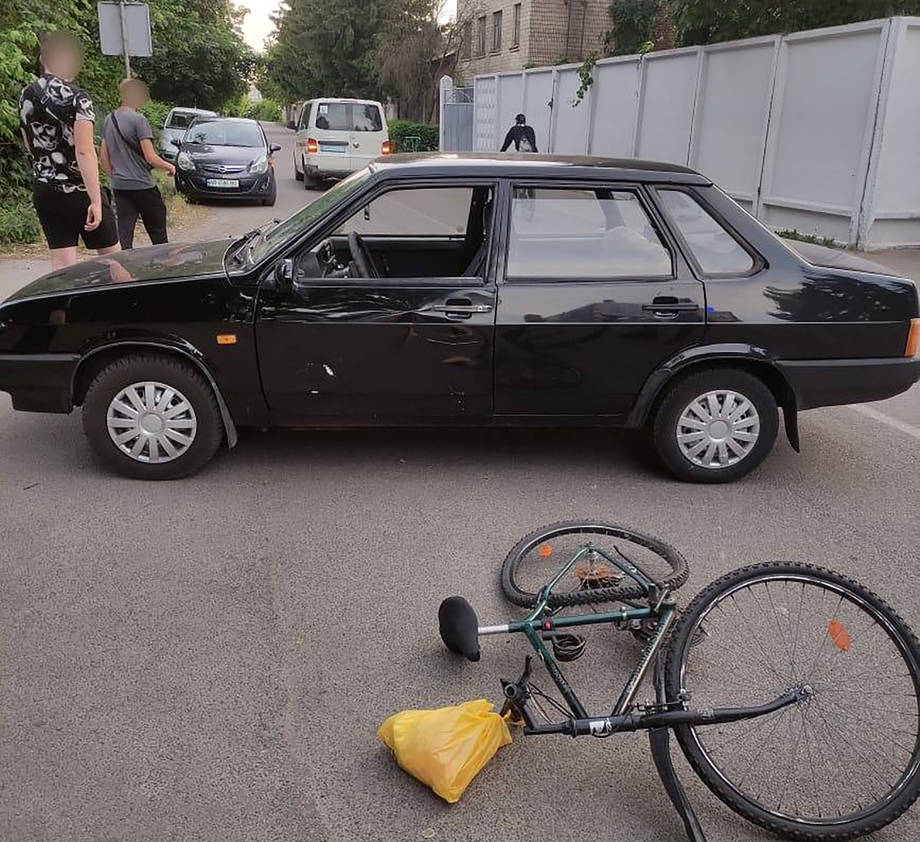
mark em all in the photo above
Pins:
pixel 500 35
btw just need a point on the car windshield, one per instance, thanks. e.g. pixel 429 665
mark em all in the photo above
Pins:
pixel 299 221
pixel 225 133
pixel 180 119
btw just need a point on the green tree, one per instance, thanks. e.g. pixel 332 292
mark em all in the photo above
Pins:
pixel 323 48
pixel 633 21
pixel 708 21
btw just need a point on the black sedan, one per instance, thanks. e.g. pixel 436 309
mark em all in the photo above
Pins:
pixel 226 158
pixel 466 290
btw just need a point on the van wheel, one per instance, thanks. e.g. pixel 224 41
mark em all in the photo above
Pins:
pixel 310 181
pixel 298 175
pixel 152 417
pixel 715 425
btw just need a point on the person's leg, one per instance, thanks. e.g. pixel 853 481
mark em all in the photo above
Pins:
pixel 109 249
pixel 104 239
pixel 153 212
pixel 63 257
pixel 126 205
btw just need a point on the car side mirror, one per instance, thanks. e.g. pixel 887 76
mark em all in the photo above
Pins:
pixel 175 142
pixel 284 273
pixel 292 125
pixel 274 147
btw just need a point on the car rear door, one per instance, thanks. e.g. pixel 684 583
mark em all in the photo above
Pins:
pixel 367 135
pixel 381 349
pixel 330 127
pixel 594 296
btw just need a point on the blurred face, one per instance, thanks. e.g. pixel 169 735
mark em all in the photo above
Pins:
pixel 134 94
pixel 62 59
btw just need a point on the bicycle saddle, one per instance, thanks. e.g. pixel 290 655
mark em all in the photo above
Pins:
pixel 459 627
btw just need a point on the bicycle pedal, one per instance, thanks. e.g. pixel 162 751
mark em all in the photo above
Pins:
pixel 568 647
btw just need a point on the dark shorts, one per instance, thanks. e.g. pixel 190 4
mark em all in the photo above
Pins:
pixel 63 215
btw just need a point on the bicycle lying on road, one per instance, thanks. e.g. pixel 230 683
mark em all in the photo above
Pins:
pixel 805 686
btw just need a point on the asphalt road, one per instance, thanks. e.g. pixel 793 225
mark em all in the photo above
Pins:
pixel 209 659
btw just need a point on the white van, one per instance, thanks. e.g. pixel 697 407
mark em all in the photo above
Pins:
pixel 335 137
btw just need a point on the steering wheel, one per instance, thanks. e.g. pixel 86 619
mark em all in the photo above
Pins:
pixel 362 257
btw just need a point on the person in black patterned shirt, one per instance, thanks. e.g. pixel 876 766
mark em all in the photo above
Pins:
pixel 57 119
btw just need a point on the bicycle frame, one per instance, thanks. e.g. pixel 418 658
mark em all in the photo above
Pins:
pixel 664 714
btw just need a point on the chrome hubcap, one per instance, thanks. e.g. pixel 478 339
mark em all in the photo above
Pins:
pixel 718 429
pixel 151 422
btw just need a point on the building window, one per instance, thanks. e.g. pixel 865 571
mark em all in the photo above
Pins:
pixel 496 32
pixel 466 46
pixel 516 31
pixel 481 36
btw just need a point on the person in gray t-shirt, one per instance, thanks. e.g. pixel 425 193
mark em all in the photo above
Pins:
pixel 128 157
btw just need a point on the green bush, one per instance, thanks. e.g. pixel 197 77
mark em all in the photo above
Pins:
pixel 267 110
pixel 18 223
pixel 155 112
pixel 401 132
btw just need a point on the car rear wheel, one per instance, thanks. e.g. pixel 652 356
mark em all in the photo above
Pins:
pixel 152 417
pixel 298 174
pixel 311 181
pixel 715 425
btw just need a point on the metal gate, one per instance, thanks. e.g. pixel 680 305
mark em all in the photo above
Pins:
pixel 456 130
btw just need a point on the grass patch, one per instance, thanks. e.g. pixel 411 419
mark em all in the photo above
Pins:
pixel 792 234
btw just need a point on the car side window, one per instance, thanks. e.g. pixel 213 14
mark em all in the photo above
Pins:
pixel 416 212
pixel 716 251
pixel 585 233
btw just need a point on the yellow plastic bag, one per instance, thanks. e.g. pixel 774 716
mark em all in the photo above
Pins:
pixel 446 748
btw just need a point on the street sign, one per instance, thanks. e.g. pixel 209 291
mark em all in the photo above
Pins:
pixel 125 24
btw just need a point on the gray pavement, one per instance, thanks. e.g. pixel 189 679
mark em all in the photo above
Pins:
pixel 209 659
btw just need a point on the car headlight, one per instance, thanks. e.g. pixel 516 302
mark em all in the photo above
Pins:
pixel 260 164
pixel 184 161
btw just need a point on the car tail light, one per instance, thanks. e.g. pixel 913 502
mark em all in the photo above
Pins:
pixel 913 340
pixel 385 148
pixel 312 146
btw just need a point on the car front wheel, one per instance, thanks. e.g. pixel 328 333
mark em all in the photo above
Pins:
pixel 715 425
pixel 152 417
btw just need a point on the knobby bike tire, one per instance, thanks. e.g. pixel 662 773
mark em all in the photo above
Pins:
pixel 519 596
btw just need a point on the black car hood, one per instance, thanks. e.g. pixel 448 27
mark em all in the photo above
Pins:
pixel 156 263
pixel 202 153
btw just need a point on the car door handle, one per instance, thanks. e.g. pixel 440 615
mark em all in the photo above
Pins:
pixel 461 308
pixel 670 310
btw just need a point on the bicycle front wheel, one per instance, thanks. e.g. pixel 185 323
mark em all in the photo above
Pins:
pixel 842 762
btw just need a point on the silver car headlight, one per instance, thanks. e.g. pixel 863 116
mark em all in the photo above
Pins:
pixel 259 165
pixel 184 161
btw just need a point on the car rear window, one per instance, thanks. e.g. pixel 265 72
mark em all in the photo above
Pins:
pixel 348 117
pixel 716 251
pixel 179 120
pixel 593 233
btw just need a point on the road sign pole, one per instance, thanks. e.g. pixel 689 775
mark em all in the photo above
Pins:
pixel 124 38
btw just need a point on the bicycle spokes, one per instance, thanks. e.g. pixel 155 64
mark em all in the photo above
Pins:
pixel 851 740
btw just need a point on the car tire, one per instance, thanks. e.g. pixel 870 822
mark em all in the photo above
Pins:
pixel 186 439
pixel 298 175
pixel 269 200
pixel 310 181
pixel 693 439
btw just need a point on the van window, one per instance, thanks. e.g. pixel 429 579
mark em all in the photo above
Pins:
pixel 348 117
pixel 180 120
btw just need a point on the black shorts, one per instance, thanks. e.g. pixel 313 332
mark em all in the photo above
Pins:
pixel 63 215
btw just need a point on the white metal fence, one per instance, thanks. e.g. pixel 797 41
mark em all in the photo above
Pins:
pixel 816 131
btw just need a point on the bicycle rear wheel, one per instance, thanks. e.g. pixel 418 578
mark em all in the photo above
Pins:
pixel 534 560
pixel 845 760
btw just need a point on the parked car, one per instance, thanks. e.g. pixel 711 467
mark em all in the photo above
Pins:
pixel 177 121
pixel 466 290
pixel 226 158
pixel 336 137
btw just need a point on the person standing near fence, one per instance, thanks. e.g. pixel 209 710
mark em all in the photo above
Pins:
pixel 521 135
pixel 56 119
pixel 128 157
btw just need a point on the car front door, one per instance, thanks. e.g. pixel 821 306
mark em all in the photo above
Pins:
pixel 413 343
pixel 594 297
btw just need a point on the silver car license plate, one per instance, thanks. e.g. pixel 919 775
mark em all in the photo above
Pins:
pixel 223 182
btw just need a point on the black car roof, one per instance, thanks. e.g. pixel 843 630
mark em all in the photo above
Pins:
pixel 530 165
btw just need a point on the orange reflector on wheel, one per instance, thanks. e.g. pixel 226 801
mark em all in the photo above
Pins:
pixel 839 635
pixel 546 551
